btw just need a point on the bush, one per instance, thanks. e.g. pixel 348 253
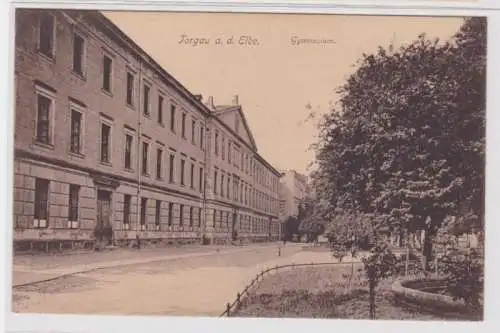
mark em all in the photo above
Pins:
pixel 412 257
pixel 465 277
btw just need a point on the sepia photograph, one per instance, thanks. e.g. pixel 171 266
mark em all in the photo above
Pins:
pixel 263 165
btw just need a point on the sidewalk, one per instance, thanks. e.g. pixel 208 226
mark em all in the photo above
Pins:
pixel 46 268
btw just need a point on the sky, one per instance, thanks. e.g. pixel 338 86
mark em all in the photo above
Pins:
pixel 275 79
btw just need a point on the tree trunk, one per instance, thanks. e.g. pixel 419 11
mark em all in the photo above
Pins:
pixel 352 275
pixel 427 250
pixel 372 301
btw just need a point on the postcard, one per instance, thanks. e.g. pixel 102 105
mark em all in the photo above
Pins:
pixel 243 165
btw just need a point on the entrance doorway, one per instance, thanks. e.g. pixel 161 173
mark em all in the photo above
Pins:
pixel 104 232
pixel 103 208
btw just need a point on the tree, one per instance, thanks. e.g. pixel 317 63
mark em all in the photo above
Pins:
pixel 407 143
pixel 379 265
pixel 291 227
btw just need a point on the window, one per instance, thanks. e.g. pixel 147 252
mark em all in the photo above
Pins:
pixel 73 206
pixel 157 213
pixel 170 213
pixel 222 185
pixel 228 185
pixel 172 117
pixel 202 136
pixel 181 215
pixel 223 146
pixel 160 110
pixel 191 216
pixel 236 187
pixel 183 164
pixel 159 163
pixel 215 182
pixel 145 158
pixel 171 168
pixel 46 38
pixel 216 145
pixel 221 213
pixel 41 203
pixel 43 121
pixel 199 217
pixel 183 126
pixel 193 132
pixel 214 217
pixel 78 53
pixel 145 100
pixel 229 151
pixel 76 128
pixel 128 151
pixel 130 89
pixel 246 195
pixel 192 175
pixel 127 200
pixel 105 143
pixel 144 206
pixel 200 178
pixel 107 65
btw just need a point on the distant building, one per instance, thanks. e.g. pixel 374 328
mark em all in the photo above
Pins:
pixel 293 188
pixel 106 138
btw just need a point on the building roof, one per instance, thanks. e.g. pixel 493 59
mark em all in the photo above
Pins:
pixel 113 31
pixel 120 37
pixel 221 109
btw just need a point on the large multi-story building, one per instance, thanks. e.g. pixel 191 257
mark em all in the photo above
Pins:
pixel 293 187
pixel 106 139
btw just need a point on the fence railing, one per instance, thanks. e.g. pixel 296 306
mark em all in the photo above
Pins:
pixel 413 270
pixel 240 296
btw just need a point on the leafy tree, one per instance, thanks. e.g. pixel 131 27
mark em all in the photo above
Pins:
pixel 310 219
pixel 407 143
pixel 291 227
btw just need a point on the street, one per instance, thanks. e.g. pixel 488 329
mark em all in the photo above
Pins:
pixel 197 283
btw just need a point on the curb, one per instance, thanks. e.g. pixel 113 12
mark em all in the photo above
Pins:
pixel 442 305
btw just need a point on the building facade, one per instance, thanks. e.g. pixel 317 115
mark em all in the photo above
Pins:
pixel 293 187
pixel 106 139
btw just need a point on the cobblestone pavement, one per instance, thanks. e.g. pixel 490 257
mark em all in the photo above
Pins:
pixel 197 286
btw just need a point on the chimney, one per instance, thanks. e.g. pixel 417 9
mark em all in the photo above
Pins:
pixel 210 103
pixel 235 100
pixel 198 97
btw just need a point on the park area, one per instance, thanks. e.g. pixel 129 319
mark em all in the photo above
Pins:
pixel 325 292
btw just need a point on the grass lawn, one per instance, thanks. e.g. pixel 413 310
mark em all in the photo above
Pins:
pixel 322 292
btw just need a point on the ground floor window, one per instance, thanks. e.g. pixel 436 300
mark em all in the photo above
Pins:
pixel 157 214
pixel 74 194
pixel 181 215
pixel 127 199
pixel 41 215
pixel 144 206
pixel 170 213
pixel 191 216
